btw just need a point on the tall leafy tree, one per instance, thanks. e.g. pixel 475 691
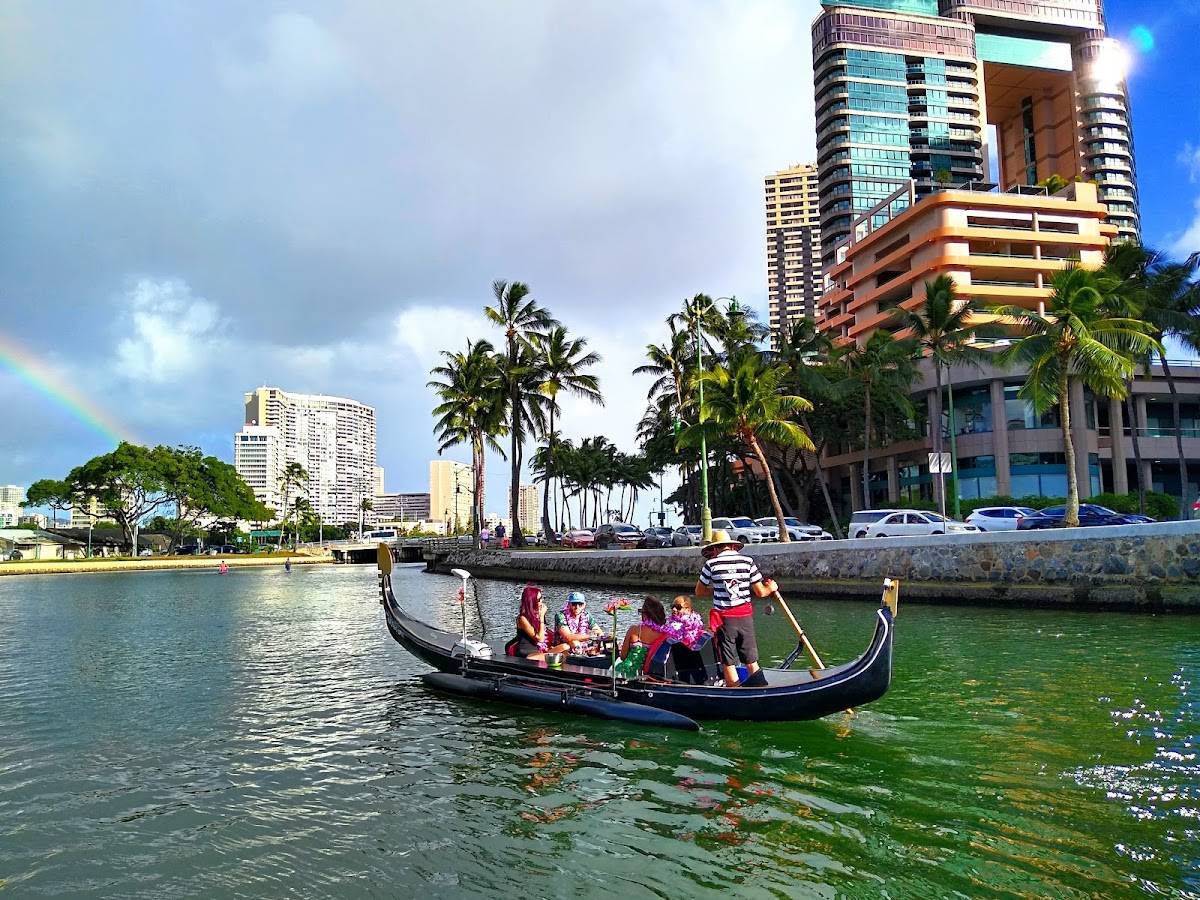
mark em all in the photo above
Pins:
pixel 748 400
pixel 473 397
pixel 1077 337
pixel 881 365
pixel 520 316
pixel 561 364
pixel 52 493
pixel 945 329
pixel 128 483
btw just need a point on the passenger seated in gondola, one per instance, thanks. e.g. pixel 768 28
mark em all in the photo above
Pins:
pixel 533 638
pixel 574 624
pixel 686 624
pixel 647 631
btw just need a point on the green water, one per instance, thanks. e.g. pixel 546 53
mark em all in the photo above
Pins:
pixel 186 734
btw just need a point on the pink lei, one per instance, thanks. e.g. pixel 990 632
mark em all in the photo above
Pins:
pixel 688 629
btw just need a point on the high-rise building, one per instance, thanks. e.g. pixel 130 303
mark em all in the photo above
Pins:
pixel 379 488
pixel 89 514
pixel 451 485
pixel 11 498
pixel 912 89
pixel 793 246
pixel 529 508
pixel 259 456
pixel 402 508
pixel 333 438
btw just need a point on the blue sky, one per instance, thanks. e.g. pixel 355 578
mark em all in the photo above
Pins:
pixel 199 199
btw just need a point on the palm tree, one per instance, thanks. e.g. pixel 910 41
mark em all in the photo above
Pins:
pixel 294 475
pixel 881 364
pixel 364 507
pixel 472 391
pixel 944 329
pixel 1077 337
pixel 747 400
pixel 561 364
pixel 1165 294
pixel 520 316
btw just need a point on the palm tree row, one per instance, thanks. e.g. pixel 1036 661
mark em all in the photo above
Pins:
pixel 589 474
pixel 785 408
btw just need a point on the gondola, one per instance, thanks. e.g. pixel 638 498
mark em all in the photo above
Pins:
pixel 672 693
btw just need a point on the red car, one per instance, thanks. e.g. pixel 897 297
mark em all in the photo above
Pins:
pixel 579 537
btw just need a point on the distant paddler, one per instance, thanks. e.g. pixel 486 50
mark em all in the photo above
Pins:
pixel 732 579
pixel 287 564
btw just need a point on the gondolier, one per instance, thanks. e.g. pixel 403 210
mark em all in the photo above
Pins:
pixel 732 579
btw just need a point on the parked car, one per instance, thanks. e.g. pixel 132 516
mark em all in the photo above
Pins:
pixel 1089 514
pixel 745 529
pixel 578 537
pixel 999 518
pixel 182 550
pixel 656 537
pixel 913 522
pixel 688 536
pixel 617 535
pixel 14 555
pixel 797 530
pixel 864 518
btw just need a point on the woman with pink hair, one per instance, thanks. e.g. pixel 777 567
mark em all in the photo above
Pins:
pixel 533 638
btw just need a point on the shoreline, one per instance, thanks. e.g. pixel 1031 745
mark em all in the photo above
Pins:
pixel 99 565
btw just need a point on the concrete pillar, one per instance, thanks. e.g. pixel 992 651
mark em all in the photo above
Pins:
pixel 1116 423
pixel 1000 439
pixel 1079 435
pixel 1147 474
pixel 893 477
pixel 1139 410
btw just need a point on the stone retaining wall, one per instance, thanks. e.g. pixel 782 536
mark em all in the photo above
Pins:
pixel 1153 566
pixel 99 564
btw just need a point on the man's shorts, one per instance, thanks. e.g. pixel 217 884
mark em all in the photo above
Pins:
pixel 737 641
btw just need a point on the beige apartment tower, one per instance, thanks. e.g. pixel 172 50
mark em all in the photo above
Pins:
pixel 793 246
pixel 451 485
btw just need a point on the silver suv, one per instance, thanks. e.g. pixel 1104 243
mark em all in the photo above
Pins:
pixel 746 530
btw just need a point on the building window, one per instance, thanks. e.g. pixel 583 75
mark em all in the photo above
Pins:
pixel 972 411
pixel 1019 414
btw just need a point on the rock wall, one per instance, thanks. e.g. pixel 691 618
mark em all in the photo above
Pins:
pixel 1130 566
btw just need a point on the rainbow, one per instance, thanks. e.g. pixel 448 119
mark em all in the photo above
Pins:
pixel 29 369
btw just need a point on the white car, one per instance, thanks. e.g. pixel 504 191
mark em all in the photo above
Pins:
pixel 864 519
pixel 911 522
pixel 797 530
pixel 746 530
pixel 688 536
pixel 999 518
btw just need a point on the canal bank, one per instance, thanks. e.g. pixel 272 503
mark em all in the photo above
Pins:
pixel 1150 567
pixel 98 565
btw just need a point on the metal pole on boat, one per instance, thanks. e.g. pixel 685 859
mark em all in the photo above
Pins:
pixel 462 599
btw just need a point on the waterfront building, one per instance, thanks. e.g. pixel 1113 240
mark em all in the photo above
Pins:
pixel 379 487
pixel 451 489
pixel 402 507
pixel 916 89
pixel 999 248
pixel 11 498
pixel 37 544
pixel 529 508
pixel 333 438
pixel 794 280
pixel 37 520
pixel 259 457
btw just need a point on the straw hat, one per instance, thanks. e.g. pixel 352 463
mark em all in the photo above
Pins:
pixel 720 538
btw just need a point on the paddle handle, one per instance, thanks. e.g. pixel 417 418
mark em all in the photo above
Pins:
pixel 804 641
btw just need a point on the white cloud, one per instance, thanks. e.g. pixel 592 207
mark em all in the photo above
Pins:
pixel 171 333
pixel 1189 242
pixel 422 331
pixel 1189 158
pixel 291 56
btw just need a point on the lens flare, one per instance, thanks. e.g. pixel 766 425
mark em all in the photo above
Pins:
pixel 1142 39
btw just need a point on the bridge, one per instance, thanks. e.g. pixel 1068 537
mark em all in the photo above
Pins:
pixel 405 550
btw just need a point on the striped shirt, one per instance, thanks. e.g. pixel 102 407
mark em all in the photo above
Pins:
pixel 730 575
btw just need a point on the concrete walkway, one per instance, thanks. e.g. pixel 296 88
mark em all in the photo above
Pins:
pixel 80 566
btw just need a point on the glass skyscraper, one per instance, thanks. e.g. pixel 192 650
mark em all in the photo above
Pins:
pixel 907 89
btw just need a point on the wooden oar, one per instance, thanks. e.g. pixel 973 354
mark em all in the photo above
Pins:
pixel 804 641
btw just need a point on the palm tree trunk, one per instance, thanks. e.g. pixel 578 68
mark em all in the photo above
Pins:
pixel 837 528
pixel 784 537
pixel 866 472
pixel 546 529
pixel 1185 508
pixel 1131 416
pixel 518 439
pixel 1064 411
pixel 937 439
pixel 477 463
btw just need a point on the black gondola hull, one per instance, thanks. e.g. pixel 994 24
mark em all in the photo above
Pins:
pixel 791 695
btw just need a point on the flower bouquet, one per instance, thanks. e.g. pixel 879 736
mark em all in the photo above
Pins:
pixel 612 607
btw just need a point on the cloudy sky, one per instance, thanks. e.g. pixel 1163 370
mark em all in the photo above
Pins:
pixel 198 199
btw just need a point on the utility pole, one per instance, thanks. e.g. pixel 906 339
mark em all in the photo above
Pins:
pixel 705 512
